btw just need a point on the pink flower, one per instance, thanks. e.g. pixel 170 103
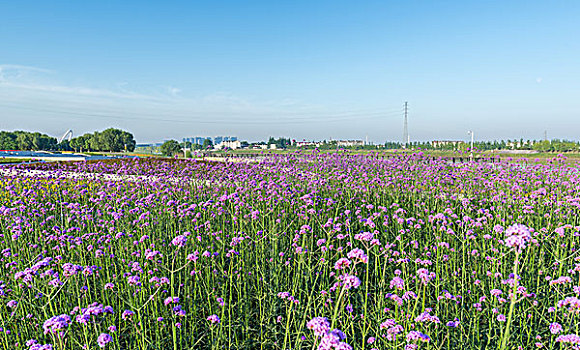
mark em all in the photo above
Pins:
pixel 104 339
pixel 555 328
pixel 214 319
pixel 359 254
pixel 517 236
pixel 351 281
pixel 397 282
pixel 342 264
pixel 179 241
pixel 171 300
pixel 416 335
pixel 364 236
pixel 569 338
pixel 319 325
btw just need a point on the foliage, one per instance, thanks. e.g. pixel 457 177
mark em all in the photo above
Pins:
pixel 556 146
pixel 521 144
pixel 109 140
pixel 392 145
pixel 26 141
pixel 170 148
pixel 207 143
pixel 13 160
pixel 281 142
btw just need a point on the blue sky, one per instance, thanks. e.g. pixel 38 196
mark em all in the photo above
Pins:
pixel 301 69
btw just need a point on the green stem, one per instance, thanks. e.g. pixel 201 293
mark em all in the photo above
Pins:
pixel 506 334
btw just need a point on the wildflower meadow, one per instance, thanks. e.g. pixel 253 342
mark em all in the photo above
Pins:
pixel 296 251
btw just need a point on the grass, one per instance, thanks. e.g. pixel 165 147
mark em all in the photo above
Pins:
pixel 14 160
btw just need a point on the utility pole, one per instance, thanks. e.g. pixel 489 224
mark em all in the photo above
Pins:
pixel 545 135
pixel 405 129
pixel 471 148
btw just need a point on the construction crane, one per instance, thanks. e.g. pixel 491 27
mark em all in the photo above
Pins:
pixel 67 135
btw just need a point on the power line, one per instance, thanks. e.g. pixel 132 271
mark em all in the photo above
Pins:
pixel 296 119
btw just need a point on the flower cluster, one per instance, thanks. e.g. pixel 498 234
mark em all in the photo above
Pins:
pixel 85 315
pixel 56 324
pixel 214 319
pixel 517 236
pixel 329 339
pixel 179 241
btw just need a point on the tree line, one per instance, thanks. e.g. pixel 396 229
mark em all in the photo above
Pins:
pixel 26 141
pixel 555 145
pixel 109 140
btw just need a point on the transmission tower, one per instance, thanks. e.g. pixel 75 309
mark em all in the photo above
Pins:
pixel 405 129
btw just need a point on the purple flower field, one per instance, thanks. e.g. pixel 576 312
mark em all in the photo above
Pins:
pixel 299 251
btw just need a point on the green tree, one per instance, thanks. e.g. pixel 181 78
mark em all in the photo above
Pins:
pixel 279 142
pixel 170 148
pixel 392 145
pixel 43 142
pixel 542 146
pixel 207 143
pixel 25 140
pixel 8 141
pixel 64 146
pixel 109 140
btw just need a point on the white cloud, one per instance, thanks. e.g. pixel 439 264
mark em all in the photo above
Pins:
pixel 21 68
pixel 34 101
pixel 10 72
pixel 172 91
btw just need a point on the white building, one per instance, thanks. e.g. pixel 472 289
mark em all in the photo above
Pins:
pixel 350 143
pixel 442 143
pixel 229 144
pixel 308 143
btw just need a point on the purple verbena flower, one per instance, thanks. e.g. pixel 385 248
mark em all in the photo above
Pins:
pixel 56 324
pixel 104 339
pixel 319 325
pixel 214 319
pixel 179 241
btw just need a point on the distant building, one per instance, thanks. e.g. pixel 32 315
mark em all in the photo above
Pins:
pixel 443 143
pixel 520 144
pixel 229 144
pixel 350 143
pixel 219 139
pixel 195 140
pixel 198 140
pixel 305 143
